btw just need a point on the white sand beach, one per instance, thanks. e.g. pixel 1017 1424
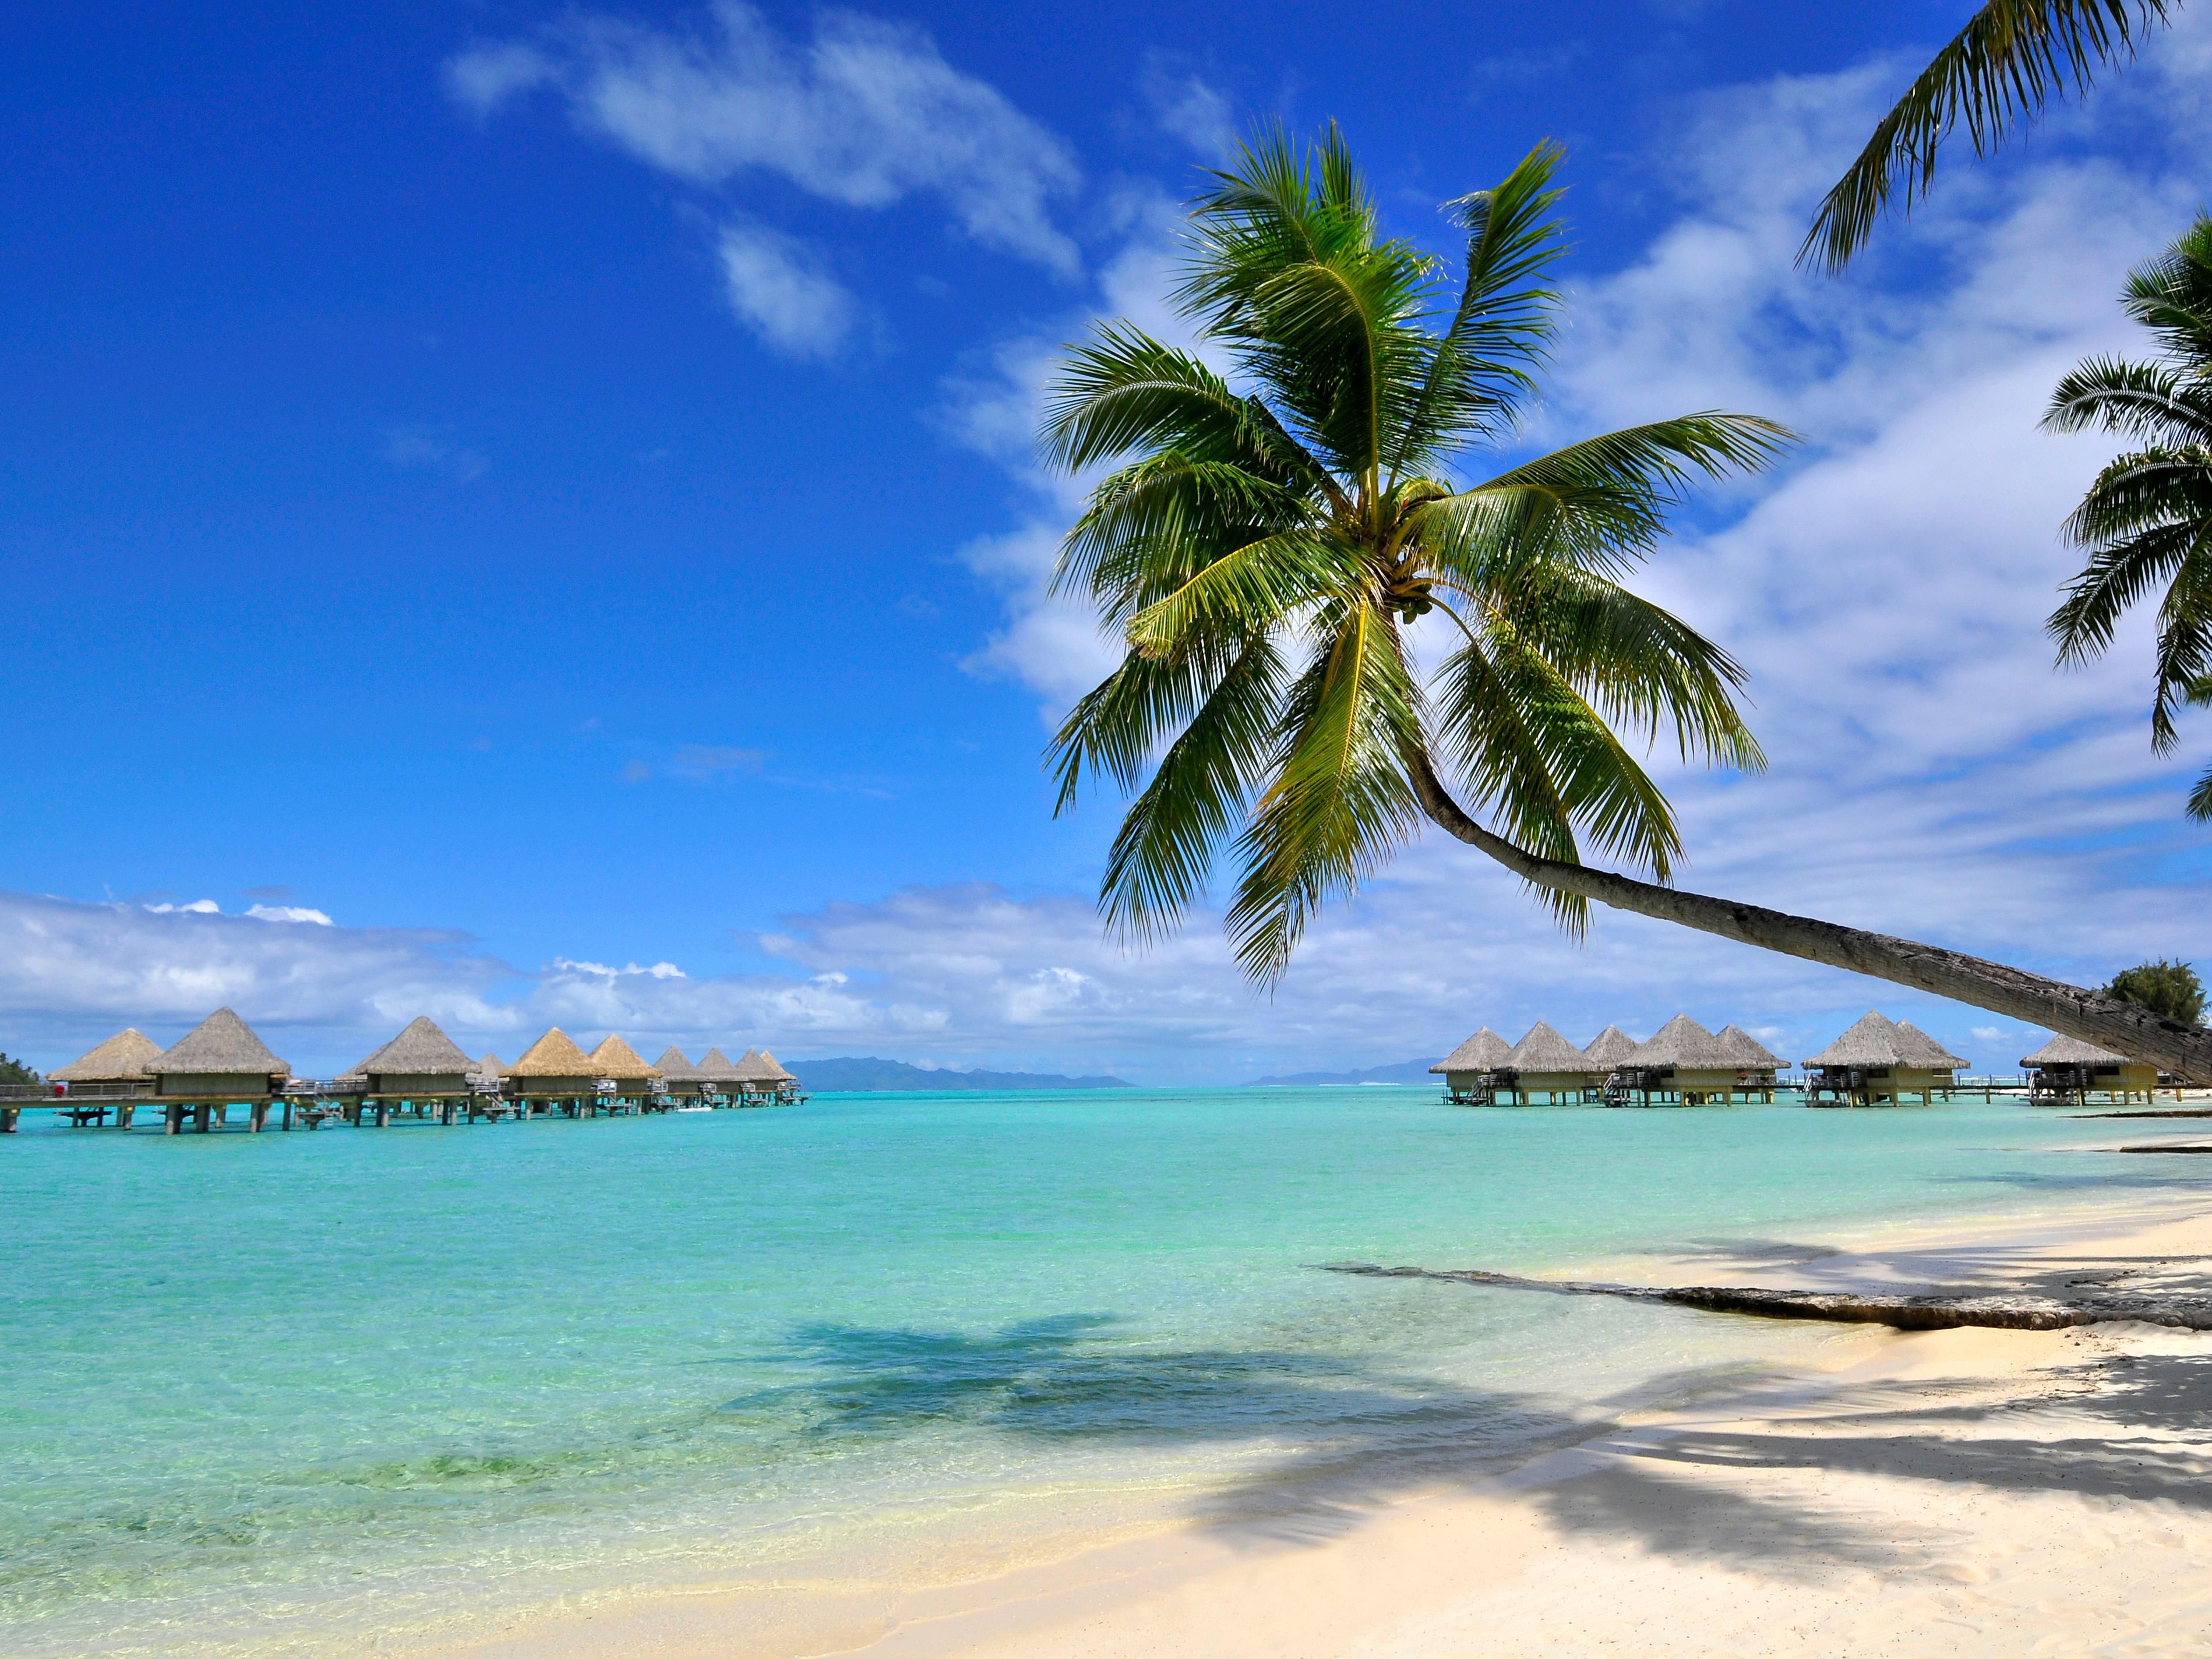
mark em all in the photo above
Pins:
pixel 1961 1491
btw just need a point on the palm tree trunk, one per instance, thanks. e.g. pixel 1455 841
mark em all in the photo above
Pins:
pixel 2148 1039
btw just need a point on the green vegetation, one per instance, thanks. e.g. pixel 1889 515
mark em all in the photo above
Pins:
pixel 1267 552
pixel 2167 989
pixel 2011 59
pixel 2146 519
pixel 15 1071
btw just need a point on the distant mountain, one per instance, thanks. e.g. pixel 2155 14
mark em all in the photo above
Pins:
pixel 849 1075
pixel 1405 1071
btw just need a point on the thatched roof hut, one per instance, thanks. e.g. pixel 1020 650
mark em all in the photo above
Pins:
pixel 1608 1048
pixel 674 1066
pixel 421 1060
pixel 1682 1045
pixel 2068 1068
pixel 715 1068
pixel 617 1060
pixel 488 1069
pixel 220 1056
pixel 123 1058
pixel 1545 1053
pixel 2059 1051
pixel 1485 1051
pixel 1877 1059
pixel 554 1066
pixel 1875 1040
pixel 756 1067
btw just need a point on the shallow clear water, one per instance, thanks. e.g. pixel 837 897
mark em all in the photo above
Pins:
pixel 259 1391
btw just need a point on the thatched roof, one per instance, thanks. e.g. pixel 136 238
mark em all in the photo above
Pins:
pixel 1684 1044
pixel 617 1060
pixel 490 1065
pixel 554 1054
pixel 758 1066
pixel 1877 1040
pixel 1485 1051
pixel 2072 1051
pixel 121 1058
pixel 1924 1052
pixel 1749 1050
pixel 1609 1048
pixel 420 1050
pixel 222 1045
pixel 673 1066
pixel 714 1066
pixel 1544 1050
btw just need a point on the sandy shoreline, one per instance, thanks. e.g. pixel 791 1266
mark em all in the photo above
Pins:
pixel 1956 1492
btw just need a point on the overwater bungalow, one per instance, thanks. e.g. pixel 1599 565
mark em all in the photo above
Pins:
pixel 1467 1069
pixel 1545 1064
pixel 679 1075
pixel 719 1081
pixel 1756 1063
pixel 117 1068
pixel 634 1081
pixel 491 1069
pixel 419 1066
pixel 761 1080
pixel 2066 1072
pixel 217 1064
pixel 1683 1064
pixel 1879 1062
pixel 554 1073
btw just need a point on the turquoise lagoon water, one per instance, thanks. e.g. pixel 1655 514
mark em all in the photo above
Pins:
pixel 265 1393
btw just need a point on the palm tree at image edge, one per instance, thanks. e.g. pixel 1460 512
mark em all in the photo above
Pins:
pixel 1266 554
pixel 2147 518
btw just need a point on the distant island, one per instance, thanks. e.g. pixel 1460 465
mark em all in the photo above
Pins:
pixel 1405 1071
pixel 850 1075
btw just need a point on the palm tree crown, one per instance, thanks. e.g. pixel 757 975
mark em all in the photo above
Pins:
pixel 2147 520
pixel 1272 536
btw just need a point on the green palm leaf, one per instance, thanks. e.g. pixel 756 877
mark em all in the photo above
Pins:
pixel 2011 59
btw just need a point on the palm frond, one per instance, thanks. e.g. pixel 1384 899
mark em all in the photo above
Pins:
pixel 1479 372
pixel 2012 58
pixel 2133 400
pixel 1339 803
pixel 2171 296
pixel 1165 849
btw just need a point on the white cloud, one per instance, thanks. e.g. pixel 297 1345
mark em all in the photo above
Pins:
pixel 783 288
pixel 866 114
pixel 196 908
pixel 1185 107
pixel 287 913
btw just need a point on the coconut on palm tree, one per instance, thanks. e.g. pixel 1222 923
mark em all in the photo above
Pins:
pixel 1997 72
pixel 1273 538
pixel 2146 519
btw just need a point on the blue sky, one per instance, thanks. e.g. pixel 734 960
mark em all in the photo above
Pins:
pixel 547 490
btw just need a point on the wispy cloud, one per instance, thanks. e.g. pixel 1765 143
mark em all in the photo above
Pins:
pixel 865 113
pixel 1186 108
pixel 433 449
pixel 784 290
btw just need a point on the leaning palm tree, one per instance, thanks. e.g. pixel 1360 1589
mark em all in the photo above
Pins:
pixel 2146 519
pixel 1271 543
pixel 2011 59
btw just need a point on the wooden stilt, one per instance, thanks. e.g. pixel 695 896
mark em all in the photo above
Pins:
pixel 256 1116
pixel 7 1117
pixel 203 1119
pixel 124 1114
pixel 287 1116
pixel 173 1119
